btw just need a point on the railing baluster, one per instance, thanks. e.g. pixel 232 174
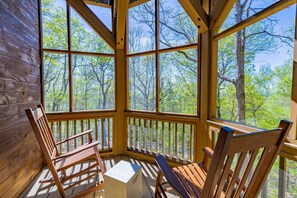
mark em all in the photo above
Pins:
pixel 282 182
pixel 191 143
pixel 170 138
pixel 157 138
pixel 60 135
pixel 175 143
pixel 82 129
pixel 63 129
pixel 96 129
pixel 102 134
pixel 139 135
pixel 89 126
pixel 183 142
pixel 134 135
pixel 169 145
pixel 67 134
pixel 145 139
pixel 129 134
pixel 151 137
pixel 74 131
pixel 108 130
pixel 163 146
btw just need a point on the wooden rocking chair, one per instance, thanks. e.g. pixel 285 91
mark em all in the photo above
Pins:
pixel 58 163
pixel 238 167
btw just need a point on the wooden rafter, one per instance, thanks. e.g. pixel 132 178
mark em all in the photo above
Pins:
pixel 122 8
pixel 219 13
pixel 280 5
pixel 94 22
pixel 196 13
pixel 97 4
pixel 136 3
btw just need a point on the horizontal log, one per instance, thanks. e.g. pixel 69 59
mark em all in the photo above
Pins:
pixel 12 98
pixel 12 184
pixel 18 43
pixel 18 76
pixel 6 14
pixel 27 8
pixel 11 86
pixel 15 135
pixel 15 53
pixel 10 28
pixel 30 150
pixel 9 110
pixel 18 66
pixel 12 121
pixel 19 10
pixel 31 5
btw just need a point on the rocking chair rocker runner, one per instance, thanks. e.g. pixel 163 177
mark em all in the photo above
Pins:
pixel 58 163
pixel 238 168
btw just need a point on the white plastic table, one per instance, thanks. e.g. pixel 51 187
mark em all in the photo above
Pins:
pixel 124 180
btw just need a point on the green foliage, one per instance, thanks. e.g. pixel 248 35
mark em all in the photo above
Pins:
pixel 93 76
pixel 267 88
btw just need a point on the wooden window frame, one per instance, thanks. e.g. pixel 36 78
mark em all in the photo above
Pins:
pixel 69 52
pixel 157 51
pixel 226 7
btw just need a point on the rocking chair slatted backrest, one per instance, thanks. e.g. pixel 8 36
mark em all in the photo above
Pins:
pixel 59 163
pixel 42 131
pixel 244 161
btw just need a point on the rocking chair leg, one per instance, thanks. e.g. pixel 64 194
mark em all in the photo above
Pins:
pixel 159 188
pixel 102 169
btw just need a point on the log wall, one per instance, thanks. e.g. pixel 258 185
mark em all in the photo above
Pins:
pixel 20 156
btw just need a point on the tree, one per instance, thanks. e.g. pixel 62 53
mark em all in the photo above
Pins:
pixel 93 76
pixel 178 71
pixel 236 65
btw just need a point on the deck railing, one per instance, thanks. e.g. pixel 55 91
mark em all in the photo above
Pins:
pixel 282 179
pixel 161 135
pixel 102 130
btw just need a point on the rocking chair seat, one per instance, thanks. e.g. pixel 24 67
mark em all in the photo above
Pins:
pixel 216 176
pixel 83 155
pixel 192 177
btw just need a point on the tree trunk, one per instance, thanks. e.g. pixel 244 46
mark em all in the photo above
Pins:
pixel 240 84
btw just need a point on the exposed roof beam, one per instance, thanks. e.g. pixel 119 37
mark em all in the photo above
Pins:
pixel 274 8
pixel 122 8
pixel 219 13
pixel 136 3
pixel 94 22
pixel 97 4
pixel 196 13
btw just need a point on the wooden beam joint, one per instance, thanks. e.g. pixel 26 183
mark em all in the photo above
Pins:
pixel 121 20
pixel 85 12
pixel 196 13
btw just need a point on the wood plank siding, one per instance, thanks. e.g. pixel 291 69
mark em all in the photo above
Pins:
pixel 20 156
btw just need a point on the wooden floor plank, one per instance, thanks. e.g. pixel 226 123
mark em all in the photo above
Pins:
pixel 149 172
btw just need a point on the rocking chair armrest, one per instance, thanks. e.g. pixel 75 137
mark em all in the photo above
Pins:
pixel 89 132
pixel 170 176
pixel 77 150
pixel 208 153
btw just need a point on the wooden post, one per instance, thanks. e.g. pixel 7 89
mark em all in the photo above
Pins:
pixel 120 131
pixel 201 134
pixel 282 182
pixel 293 132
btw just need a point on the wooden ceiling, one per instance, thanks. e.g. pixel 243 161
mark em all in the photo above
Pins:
pixel 109 3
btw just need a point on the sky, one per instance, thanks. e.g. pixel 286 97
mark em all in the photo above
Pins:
pixel 104 14
pixel 277 57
